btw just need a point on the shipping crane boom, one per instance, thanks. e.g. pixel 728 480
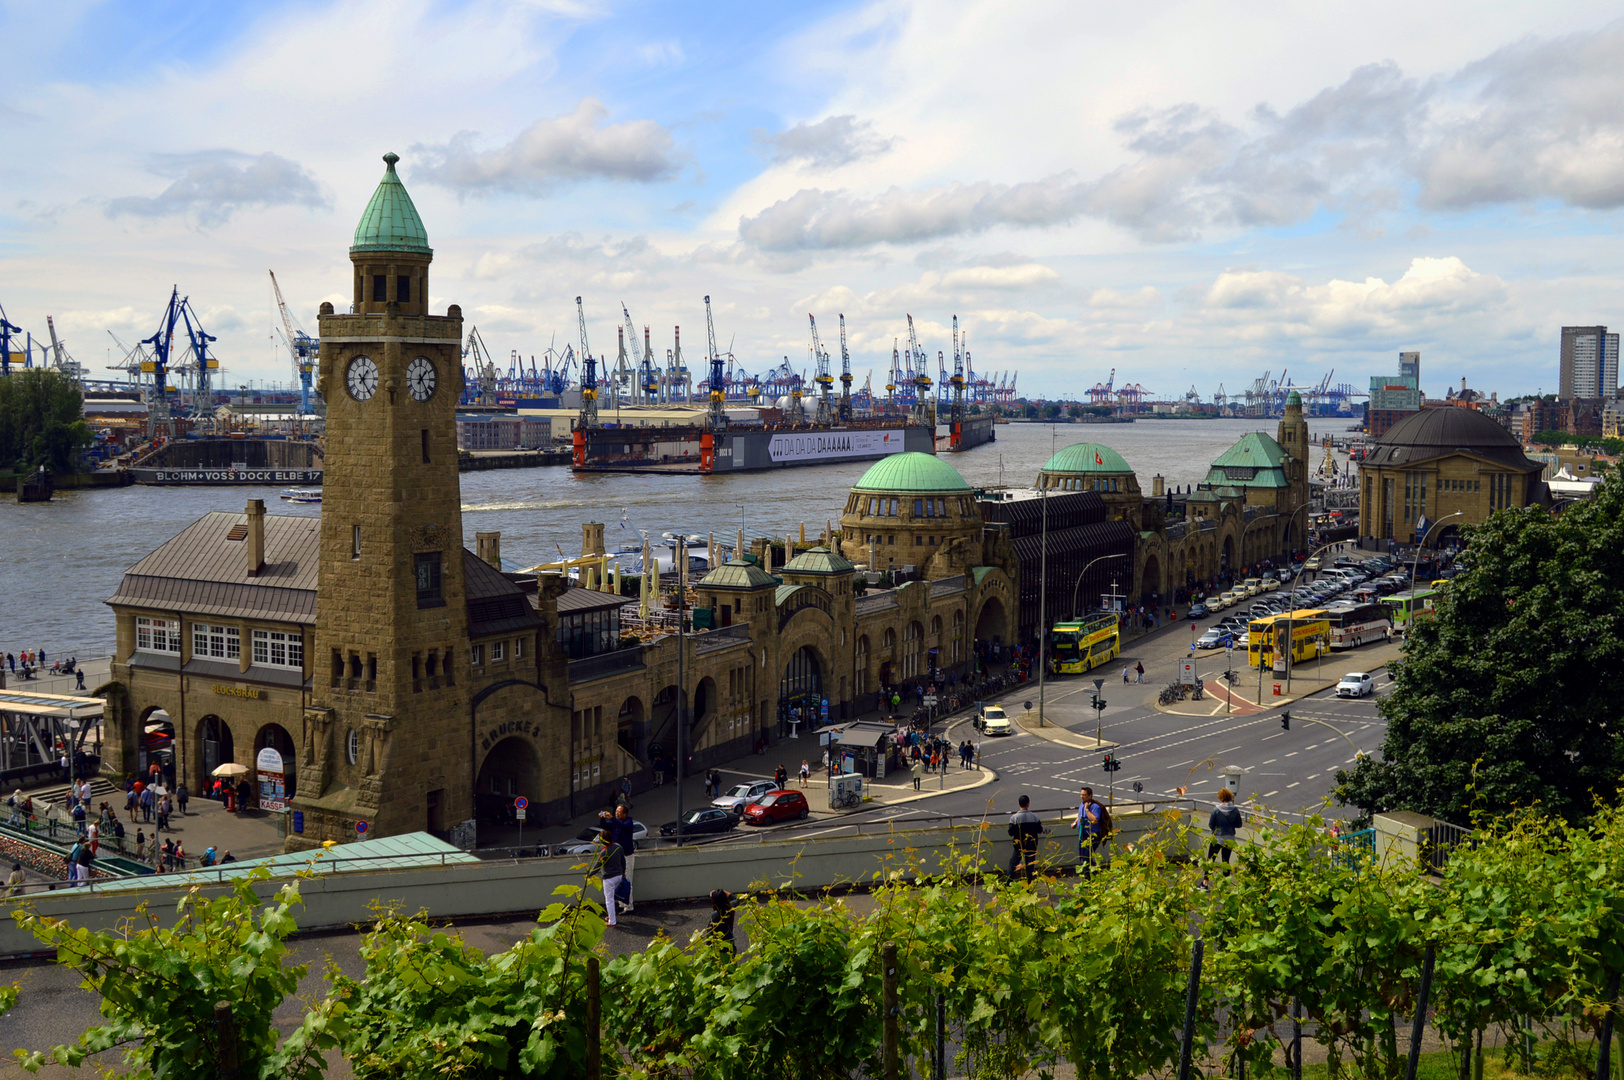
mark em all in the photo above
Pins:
pixel 589 373
pixel 845 373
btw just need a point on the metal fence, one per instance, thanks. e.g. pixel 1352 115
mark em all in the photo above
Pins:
pixel 1441 839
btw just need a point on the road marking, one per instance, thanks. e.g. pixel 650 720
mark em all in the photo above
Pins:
pixel 1294 753
pixel 1290 786
pixel 1276 735
pixel 1313 776
pixel 1181 764
pixel 1271 794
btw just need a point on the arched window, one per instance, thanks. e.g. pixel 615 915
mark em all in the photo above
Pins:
pixel 912 644
pixel 862 664
pixel 889 641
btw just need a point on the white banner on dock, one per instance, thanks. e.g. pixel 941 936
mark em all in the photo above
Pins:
pixel 817 445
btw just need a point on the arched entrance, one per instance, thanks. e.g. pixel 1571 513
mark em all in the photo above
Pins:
pixel 158 744
pixel 1151 585
pixel 630 726
pixel 511 768
pixel 704 705
pixel 992 624
pixel 274 746
pixel 214 737
pixel 800 690
pixel 663 728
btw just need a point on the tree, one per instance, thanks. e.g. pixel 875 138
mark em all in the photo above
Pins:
pixel 1509 695
pixel 41 421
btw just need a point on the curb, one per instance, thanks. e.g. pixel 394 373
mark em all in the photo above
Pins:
pixel 987 776
pixel 1074 742
pixel 1275 703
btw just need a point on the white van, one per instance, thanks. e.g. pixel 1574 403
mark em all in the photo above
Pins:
pixel 992 720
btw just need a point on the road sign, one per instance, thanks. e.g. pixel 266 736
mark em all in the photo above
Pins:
pixel 930 701
pixel 360 828
pixel 519 812
pixel 1187 672
pixel 521 803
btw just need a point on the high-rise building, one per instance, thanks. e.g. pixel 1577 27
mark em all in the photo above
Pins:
pixel 1393 398
pixel 1589 363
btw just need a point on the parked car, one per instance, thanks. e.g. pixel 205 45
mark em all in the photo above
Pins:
pixel 1356 684
pixel 1198 610
pixel 993 720
pixel 1217 602
pixel 1313 564
pixel 777 806
pixel 1252 586
pixel 1213 639
pixel 742 795
pixel 587 839
pixel 1271 582
pixel 702 822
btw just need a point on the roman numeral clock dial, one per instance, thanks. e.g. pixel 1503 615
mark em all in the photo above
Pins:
pixel 420 378
pixel 361 378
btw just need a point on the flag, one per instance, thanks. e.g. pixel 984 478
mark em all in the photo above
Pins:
pixel 1097 459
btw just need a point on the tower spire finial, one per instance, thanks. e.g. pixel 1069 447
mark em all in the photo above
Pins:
pixel 390 158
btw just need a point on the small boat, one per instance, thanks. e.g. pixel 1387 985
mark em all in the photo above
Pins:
pixel 303 495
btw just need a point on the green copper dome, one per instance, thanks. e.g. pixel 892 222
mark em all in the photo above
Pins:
pixel 390 222
pixel 912 473
pixel 1086 457
pixel 1294 398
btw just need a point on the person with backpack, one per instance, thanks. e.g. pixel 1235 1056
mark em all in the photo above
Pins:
pixel 1093 825
pixel 1024 829
pixel 611 868
pixel 1225 822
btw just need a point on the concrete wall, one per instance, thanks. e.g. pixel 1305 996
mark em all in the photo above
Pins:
pixel 334 900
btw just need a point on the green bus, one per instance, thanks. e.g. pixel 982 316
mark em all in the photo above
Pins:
pixel 1410 603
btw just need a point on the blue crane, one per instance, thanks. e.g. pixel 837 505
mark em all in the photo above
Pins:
pixel 180 315
pixel 7 328
pixel 718 385
pixel 589 373
pixel 301 346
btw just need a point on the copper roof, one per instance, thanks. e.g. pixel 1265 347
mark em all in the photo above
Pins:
pixel 201 572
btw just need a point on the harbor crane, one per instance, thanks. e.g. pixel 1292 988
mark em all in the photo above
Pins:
pixel 647 387
pixel 957 413
pixel 921 377
pixel 845 373
pixel 301 346
pixel 718 387
pixel 589 373
pixel 7 328
pixel 484 366
pixel 179 316
pixel 820 363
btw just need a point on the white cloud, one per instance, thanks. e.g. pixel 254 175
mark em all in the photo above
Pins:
pixel 572 147
pixel 827 144
pixel 211 186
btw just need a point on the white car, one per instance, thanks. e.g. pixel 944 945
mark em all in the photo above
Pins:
pixel 587 840
pixel 742 795
pixel 993 721
pixel 1212 639
pixel 1356 684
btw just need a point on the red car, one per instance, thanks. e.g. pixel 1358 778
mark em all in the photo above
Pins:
pixel 777 806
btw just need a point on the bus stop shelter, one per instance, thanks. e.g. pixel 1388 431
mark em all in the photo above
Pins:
pixel 38 730
pixel 865 742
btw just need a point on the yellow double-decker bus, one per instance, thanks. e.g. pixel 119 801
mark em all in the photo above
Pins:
pixel 1310 630
pixel 1081 645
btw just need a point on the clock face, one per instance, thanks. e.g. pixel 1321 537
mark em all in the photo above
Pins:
pixel 420 378
pixel 362 378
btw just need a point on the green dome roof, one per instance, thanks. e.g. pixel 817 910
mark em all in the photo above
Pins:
pixel 1087 458
pixel 818 560
pixel 913 472
pixel 1293 398
pixel 390 221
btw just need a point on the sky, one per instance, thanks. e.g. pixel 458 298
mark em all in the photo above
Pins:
pixel 1187 193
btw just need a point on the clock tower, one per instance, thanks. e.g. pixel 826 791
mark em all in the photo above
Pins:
pixel 386 731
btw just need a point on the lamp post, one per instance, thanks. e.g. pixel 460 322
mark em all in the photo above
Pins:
pixel 1077 590
pixel 1432 530
pixel 1289 643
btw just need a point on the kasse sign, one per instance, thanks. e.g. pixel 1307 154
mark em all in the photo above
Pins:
pixel 817 445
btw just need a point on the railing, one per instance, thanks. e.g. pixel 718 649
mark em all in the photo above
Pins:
pixel 604 664
pixel 1355 850
pixel 1439 840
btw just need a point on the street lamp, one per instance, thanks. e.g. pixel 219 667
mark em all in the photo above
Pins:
pixel 1432 530
pixel 1289 642
pixel 1076 591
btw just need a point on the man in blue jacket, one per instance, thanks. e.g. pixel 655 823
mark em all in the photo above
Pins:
pixel 621 826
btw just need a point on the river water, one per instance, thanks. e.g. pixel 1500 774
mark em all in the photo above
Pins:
pixel 60 560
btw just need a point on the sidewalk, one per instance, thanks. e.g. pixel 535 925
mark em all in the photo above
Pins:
pixel 658 805
pixel 96 668
pixel 1309 679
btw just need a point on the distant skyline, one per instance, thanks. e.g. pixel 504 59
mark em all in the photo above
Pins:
pixel 1191 194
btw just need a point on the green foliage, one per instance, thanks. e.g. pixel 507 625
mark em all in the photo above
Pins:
pixel 1606 445
pixel 41 421
pixel 159 985
pixel 1509 697
pixel 432 1005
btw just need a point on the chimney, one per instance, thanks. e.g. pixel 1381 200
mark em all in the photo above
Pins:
pixel 488 546
pixel 592 536
pixel 256 536
pixel 1157 486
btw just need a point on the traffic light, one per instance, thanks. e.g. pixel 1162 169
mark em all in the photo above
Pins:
pixel 1285 720
pixel 1111 764
pixel 1099 702
pixel 1094 702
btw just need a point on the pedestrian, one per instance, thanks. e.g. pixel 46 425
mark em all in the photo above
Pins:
pixel 182 797
pixel 780 776
pixel 624 829
pixel 28 812
pixel 146 804
pixel 659 771
pixel 1093 825
pixel 611 867
pixel 207 858
pixel 16 880
pixel 918 769
pixel 227 857
pixel 1024 829
pixel 1124 675
pixel 1140 668
pixel 1225 822
pixel 11 658
pixel 93 838
pixel 15 802
pixel 976 750
pixel 720 928
pixel 72 862
pixel 163 812
pixel 80 675
pixel 806 772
